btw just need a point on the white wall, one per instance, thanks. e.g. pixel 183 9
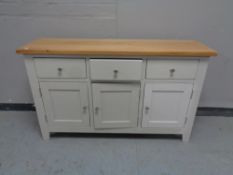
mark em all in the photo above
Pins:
pixel 209 21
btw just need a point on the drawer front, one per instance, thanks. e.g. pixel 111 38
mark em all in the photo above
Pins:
pixel 115 69
pixel 60 68
pixel 171 69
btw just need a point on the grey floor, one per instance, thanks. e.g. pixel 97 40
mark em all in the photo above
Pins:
pixel 23 152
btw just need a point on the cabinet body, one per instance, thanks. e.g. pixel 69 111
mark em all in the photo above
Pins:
pixel 92 95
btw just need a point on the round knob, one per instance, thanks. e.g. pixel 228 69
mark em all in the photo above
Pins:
pixel 172 71
pixel 84 109
pixel 147 108
pixel 96 110
pixel 59 71
pixel 115 73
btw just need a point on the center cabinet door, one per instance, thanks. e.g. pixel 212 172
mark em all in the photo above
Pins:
pixel 66 105
pixel 115 105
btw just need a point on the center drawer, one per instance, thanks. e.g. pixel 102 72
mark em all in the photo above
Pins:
pixel 103 69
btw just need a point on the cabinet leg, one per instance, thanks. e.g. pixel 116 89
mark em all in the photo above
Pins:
pixel 186 137
pixel 45 135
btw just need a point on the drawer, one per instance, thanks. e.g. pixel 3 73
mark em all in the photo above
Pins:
pixel 171 69
pixel 102 69
pixel 60 68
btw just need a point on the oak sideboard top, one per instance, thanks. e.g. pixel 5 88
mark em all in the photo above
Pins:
pixel 116 47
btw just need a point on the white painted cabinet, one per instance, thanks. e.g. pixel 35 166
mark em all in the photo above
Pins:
pixel 116 86
pixel 115 105
pixel 166 104
pixel 66 104
pixel 147 95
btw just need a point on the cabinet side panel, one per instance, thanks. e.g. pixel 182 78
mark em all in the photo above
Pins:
pixel 198 84
pixel 29 63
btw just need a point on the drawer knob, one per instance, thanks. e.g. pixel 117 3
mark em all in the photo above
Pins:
pixel 172 71
pixel 59 71
pixel 115 73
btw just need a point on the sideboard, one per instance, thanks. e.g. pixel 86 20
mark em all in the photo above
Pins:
pixel 116 85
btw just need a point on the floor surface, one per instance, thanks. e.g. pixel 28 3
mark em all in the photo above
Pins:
pixel 23 152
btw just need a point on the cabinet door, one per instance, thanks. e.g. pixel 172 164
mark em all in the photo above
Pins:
pixel 66 104
pixel 165 105
pixel 115 105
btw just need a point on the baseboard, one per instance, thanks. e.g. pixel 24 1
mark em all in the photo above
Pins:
pixel 202 111
pixel 17 107
pixel 213 111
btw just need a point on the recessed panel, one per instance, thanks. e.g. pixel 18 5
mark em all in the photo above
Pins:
pixel 117 105
pixel 165 105
pixel 66 104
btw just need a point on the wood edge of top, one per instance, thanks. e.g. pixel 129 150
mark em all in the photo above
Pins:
pixel 26 50
pixel 181 54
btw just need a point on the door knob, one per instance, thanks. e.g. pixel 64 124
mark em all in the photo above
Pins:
pixel 84 109
pixel 96 110
pixel 147 109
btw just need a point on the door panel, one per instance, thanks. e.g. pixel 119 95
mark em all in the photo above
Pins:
pixel 66 104
pixel 115 105
pixel 165 105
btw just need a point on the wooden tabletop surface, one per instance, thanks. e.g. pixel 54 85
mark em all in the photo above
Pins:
pixel 116 47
